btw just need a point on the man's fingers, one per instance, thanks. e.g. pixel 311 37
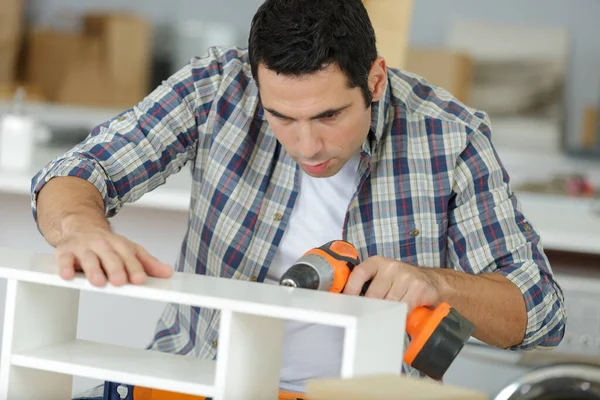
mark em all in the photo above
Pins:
pixel 66 264
pixel 112 265
pixel 418 294
pixel 152 265
pixel 103 255
pixel 360 274
pixel 397 291
pixel 133 266
pixel 411 298
pixel 379 287
pixel 90 264
pixel 135 270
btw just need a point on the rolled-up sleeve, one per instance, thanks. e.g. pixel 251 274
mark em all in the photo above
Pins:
pixel 488 232
pixel 135 152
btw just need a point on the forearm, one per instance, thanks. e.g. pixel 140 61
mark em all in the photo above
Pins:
pixel 492 302
pixel 66 204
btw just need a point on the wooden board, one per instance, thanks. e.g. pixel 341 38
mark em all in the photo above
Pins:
pixel 591 127
pixel 386 387
pixel 449 69
pixel 391 20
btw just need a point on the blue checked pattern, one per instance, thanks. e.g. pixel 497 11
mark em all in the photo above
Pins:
pixel 427 165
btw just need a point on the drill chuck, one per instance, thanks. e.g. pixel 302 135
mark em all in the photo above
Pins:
pixel 311 272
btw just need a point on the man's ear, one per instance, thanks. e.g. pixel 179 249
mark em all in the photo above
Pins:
pixel 378 78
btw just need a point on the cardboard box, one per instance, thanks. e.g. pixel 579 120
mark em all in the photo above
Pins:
pixel 89 83
pixel 446 68
pixel 591 127
pixel 387 387
pixel 107 64
pixel 11 26
pixel 113 69
pixel 391 21
pixel 8 61
pixel 49 56
pixel 32 93
pixel 125 45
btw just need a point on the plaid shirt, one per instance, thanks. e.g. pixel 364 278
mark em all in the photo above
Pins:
pixel 432 191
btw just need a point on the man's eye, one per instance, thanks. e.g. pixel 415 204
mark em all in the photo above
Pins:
pixel 282 119
pixel 330 117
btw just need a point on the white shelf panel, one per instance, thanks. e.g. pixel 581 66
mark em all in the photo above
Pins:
pixel 124 365
pixel 39 353
pixel 211 292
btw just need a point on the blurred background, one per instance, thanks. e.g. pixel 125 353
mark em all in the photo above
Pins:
pixel 533 66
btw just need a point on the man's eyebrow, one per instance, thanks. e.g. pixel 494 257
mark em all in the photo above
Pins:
pixel 278 114
pixel 318 116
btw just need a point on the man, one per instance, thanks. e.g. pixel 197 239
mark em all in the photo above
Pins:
pixel 305 138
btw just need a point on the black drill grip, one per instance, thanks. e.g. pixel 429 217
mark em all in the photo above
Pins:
pixel 365 288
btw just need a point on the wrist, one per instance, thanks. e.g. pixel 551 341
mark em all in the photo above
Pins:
pixel 439 279
pixel 75 223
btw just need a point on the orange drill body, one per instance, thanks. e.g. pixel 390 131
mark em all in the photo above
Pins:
pixel 437 335
pixel 341 257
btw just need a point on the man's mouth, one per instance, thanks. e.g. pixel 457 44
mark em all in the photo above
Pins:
pixel 316 169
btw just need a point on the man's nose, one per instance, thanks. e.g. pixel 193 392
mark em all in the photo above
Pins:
pixel 309 142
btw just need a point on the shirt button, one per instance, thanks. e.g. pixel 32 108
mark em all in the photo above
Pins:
pixel 120 119
pixel 415 233
pixel 526 227
pixel 253 279
pixel 278 216
pixel 215 343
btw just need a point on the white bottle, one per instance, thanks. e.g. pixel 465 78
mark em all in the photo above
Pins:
pixel 17 138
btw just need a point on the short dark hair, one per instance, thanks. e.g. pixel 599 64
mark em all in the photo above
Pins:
pixel 298 37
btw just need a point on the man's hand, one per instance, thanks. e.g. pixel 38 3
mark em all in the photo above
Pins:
pixel 492 302
pixel 394 280
pixel 102 254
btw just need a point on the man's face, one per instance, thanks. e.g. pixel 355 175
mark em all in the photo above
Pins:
pixel 319 121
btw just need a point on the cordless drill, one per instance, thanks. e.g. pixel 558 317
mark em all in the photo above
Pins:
pixel 437 335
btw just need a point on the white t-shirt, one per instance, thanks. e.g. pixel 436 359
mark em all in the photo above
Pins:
pixel 311 350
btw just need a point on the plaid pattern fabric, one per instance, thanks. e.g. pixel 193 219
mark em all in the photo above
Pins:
pixel 432 190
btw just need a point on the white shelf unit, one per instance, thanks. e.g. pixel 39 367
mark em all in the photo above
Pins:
pixel 41 352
